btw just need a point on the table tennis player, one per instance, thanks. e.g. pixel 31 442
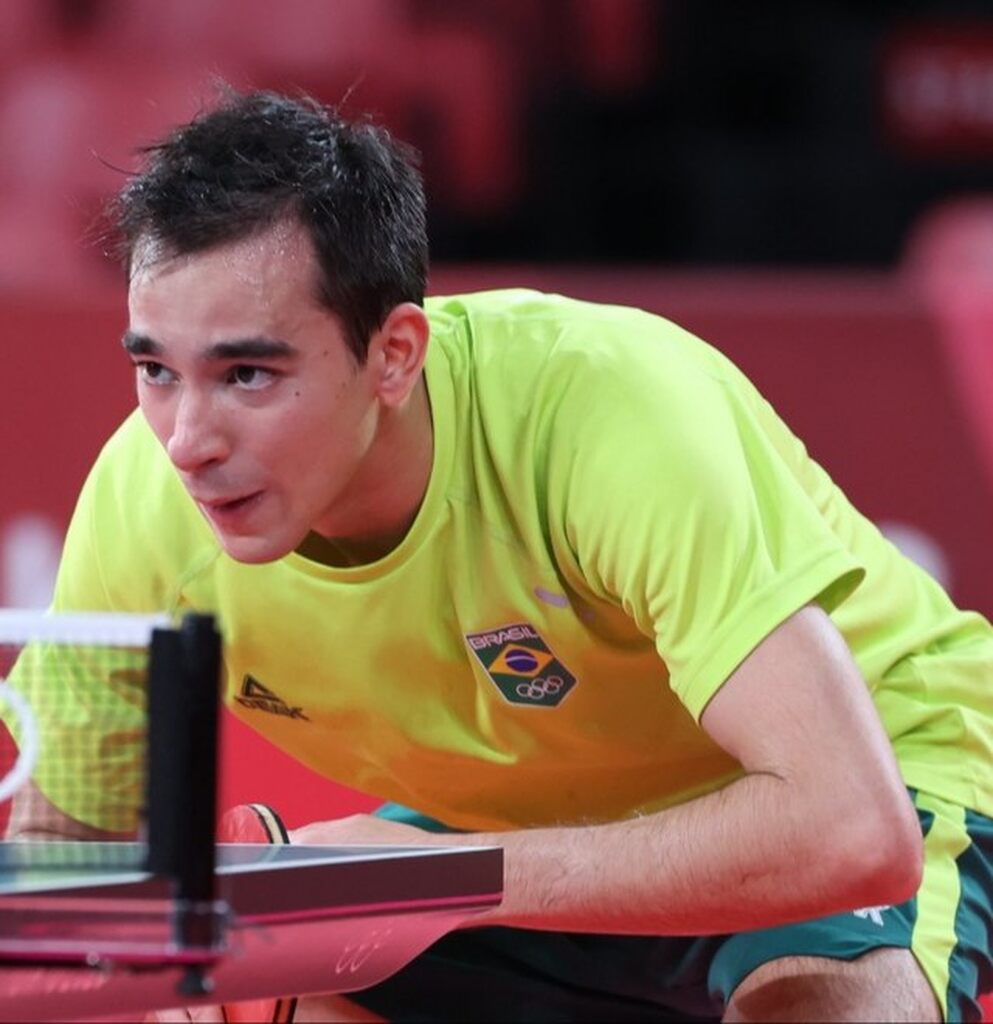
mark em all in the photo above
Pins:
pixel 542 574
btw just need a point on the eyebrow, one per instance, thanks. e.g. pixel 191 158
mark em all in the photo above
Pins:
pixel 238 348
pixel 140 344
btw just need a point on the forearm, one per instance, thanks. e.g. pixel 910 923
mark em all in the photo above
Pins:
pixel 34 817
pixel 747 856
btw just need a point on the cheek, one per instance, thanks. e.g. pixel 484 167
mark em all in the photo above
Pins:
pixel 315 438
pixel 297 440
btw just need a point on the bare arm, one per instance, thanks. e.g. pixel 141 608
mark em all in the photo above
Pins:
pixel 819 824
pixel 34 816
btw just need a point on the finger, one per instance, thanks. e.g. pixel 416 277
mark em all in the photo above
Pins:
pixel 299 835
pixel 207 1014
pixel 336 1008
pixel 267 1011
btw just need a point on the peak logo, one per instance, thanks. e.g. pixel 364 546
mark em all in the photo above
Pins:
pixel 260 698
pixel 521 666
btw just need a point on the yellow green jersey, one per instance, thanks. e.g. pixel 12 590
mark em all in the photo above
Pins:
pixel 615 518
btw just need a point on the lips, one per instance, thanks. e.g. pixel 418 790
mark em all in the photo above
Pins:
pixel 222 504
pixel 231 514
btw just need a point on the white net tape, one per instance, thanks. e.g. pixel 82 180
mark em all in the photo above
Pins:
pixel 119 629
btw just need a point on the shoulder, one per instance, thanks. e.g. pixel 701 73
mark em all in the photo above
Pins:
pixel 560 378
pixel 510 312
pixel 135 533
pixel 531 343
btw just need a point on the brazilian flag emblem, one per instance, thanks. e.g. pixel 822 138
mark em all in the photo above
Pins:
pixel 519 662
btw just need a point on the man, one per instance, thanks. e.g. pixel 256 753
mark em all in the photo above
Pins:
pixel 548 574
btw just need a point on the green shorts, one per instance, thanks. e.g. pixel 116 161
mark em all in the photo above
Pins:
pixel 499 974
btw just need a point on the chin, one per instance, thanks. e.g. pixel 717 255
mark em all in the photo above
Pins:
pixel 255 550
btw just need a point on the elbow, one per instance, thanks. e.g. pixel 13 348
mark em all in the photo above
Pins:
pixel 881 862
pixel 894 874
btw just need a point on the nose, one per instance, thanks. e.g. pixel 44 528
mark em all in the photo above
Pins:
pixel 197 439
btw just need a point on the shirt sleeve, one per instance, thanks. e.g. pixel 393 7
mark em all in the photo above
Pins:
pixel 679 498
pixel 89 701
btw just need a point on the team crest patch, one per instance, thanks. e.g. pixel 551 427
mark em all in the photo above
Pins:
pixel 520 664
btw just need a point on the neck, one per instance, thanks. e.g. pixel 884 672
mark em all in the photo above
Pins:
pixel 388 489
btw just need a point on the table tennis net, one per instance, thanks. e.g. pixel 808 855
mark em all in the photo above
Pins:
pixel 74 713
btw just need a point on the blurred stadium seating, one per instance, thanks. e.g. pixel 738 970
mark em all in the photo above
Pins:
pixel 950 257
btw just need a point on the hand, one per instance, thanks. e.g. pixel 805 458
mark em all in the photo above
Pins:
pixel 181 1015
pixel 362 830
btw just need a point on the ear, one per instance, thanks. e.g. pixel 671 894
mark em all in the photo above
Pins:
pixel 397 351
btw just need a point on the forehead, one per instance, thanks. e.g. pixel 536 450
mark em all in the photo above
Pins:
pixel 267 276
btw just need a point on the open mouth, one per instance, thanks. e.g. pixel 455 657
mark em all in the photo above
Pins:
pixel 234 504
pixel 229 511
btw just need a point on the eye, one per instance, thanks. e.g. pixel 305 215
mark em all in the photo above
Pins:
pixel 250 378
pixel 154 373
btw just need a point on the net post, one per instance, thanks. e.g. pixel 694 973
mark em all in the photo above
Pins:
pixel 181 780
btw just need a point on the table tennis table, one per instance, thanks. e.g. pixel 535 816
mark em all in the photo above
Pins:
pixel 80 941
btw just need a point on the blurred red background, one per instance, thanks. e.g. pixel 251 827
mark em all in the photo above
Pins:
pixel 807 186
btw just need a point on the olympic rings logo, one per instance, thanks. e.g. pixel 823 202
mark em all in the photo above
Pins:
pixel 539 687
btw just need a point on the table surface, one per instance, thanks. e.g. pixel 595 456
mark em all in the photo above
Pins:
pixel 84 932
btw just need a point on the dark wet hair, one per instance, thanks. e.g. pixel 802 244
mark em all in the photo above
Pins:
pixel 260 158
